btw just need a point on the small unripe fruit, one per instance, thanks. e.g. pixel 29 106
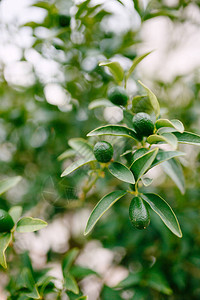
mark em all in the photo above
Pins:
pixel 118 95
pixel 6 221
pixel 143 124
pixel 103 151
pixel 138 213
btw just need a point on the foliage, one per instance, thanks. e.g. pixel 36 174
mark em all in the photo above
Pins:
pixel 42 139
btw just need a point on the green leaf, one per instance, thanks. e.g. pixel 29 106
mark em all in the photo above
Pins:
pixel 142 103
pixel 115 130
pixel 100 103
pixel 152 98
pixel 174 170
pixel 82 147
pixel 69 260
pixel 66 154
pixel 165 155
pixel 29 224
pixel 136 61
pixel 82 298
pixel 74 166
pixel 164 211
pixel 5 239
pixel 28 281
pixel 70 284
pixel 81 272
pixel 131 280
pixel 188 138
pixel 166 137
pixel 15 212
pixel 121 172
pixel 102 206
pixel 115 68
pixel 7 184
pixel 143 163
pixel 157 282
pixel 176 124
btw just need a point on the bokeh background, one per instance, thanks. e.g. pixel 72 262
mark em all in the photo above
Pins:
pixel 49 73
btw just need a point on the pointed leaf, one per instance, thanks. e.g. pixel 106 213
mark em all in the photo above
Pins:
pixel 29 282
pixel 143 163
pixel 29 224
pixel 15 212
pixel 188 138
pixel 80 272
pixel 131 280
pixel 82 298
pixel 70 284
pixel 115 68
pixel 167 137
pixel 69 260
pixel 66 154
pixel 77 164
pixel 116 130
pixel 102 206
pixel 165 155
pixel 165 212
pixel 157 282
pixel 152 98
pixel 136 61
pixel 82 147
pixel 121 172
pixel 176 124
pixel 100 103
pixel 7 184
pixel 174 170
pixel 5 239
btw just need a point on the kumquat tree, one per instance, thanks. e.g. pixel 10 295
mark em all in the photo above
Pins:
pixel 99 150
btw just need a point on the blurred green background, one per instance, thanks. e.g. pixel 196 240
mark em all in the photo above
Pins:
pixel 49 73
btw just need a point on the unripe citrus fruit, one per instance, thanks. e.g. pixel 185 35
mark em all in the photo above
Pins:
pixel 6 222
pixel 103 151
pixel 118 96
pixel 143 124
pixel 138 213
pixel 64 20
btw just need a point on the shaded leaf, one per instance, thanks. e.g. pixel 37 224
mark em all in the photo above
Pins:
pixel 70 284
pixel 152 98
pixel 66 154
pixel 174 170
pixel 80 272
pixel 121 172
pixel 115 130
pixel 167 137
pixel 69 260
pixel 102 206
pixel 29 224
pixel 157 282
pixel 82 147
pixel 165 155
pixel 143 163
pixel 188 138
pixel 9 183
pixel 15 212
pixel 131 280
pixel 136 61
pixel 176 124
pixel 5 239
pixel 115 68
pixel 74 166
pixel 164 211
